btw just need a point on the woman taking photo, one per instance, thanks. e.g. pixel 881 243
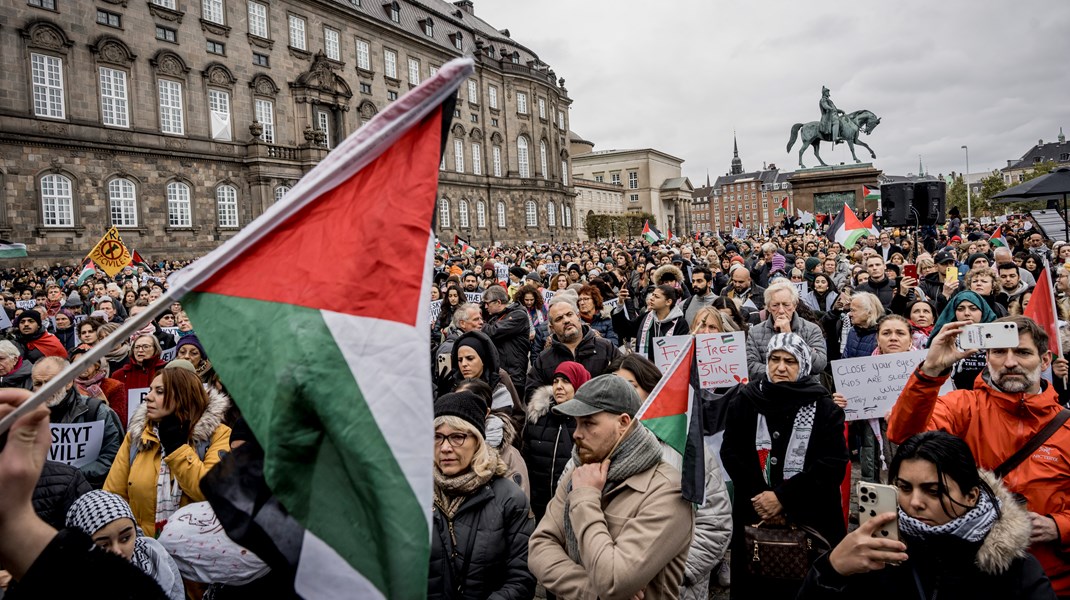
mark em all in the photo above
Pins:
pixel 175 437
pixel 785 452
pixel 962 535
pixel 481 520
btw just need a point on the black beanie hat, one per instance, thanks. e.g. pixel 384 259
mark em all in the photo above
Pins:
pixel 29 314
pixel 464 405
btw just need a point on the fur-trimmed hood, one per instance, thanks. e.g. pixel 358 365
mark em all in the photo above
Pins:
pixel 670 268
pixel 1009 538
pixel 541 401
pixel 218 403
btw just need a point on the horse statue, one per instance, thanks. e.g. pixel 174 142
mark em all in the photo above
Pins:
pixel 850 126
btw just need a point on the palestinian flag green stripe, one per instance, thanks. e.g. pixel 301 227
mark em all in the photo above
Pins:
pixel 671 429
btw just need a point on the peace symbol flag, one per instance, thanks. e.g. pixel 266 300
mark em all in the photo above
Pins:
pixel 110 254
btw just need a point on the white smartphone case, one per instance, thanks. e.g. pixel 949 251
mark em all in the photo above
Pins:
pixel 875 499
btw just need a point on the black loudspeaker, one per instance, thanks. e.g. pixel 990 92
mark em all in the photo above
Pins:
pixel 930 200
pixel 896 200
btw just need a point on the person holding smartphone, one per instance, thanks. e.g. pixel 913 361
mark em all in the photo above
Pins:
pixel 962 533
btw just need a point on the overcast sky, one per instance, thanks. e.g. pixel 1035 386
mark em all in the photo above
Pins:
pixel 679 76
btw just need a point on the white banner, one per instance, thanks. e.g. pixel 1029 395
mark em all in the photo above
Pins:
pixel 436 308
pixel 76 444
pixel 134 399
pixel 169 354
pixel 872 384
pixel 501 271
pixel 25 304
pixel 473 297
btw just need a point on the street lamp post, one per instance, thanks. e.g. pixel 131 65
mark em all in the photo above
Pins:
pixel 966 180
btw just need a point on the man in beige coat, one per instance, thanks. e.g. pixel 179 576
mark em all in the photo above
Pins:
pixel 617 525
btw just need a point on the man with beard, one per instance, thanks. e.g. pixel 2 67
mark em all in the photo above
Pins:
pixel 701 293
pixel 1010 408
pixel 617 527
pixel 68 406
pixel 38 342
pixel 570 340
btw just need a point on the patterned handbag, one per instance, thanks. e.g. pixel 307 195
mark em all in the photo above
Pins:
pixel 782 552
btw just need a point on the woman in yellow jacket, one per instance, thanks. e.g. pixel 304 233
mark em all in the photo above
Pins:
pixel 174 438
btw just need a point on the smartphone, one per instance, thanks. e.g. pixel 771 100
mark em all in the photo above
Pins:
pixel 988 335
pixel 875 499
pixel 952 274
pixel 910 271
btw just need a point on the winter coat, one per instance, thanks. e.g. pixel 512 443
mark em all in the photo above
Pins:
pixel 884 290
pixel 76 409
pixel 811 497
pixel 135 480
pixel 68 337
pixel 115 392
pixel 819 304
pixel 692 305
pixel 510 330
pixel 758 342
pixel 135 376
pixel 20 377
pixel 635 536
pixel 547 447
pixel 492 528
pixel 999 566
pixel 995 424
pixel 855 341
pixel 57 488
pixel 603 324
pixel 42 344
pixel 593 352
pixel 674 323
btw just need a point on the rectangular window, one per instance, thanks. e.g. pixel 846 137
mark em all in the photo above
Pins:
pixel 564 172
pixel 522 103
pixel 123 201
pixel 633 198
pixel 258 22
pixel 432 70
pixel 49 4
pixel 473 118
pixel 171 120
pixel 260 60
pixel 265 113
pixel 165 3
pixel 215 47
pixel 473 91
pixel 297 33
pixel 497 156
pixel 560 119
pixel 113 103
pixel 323 123
pixel 58 205
pixel 414 71
pixel 542 108
pixel 458 156
pixel 494 122
pixel 331 46
pixel 390 63
pixel 219 115
pixel 391 95
pixel 364 60
pixel 227 206
pixel 365 88
pixel 477 159
pixel 492 96
pixel 47 86
pixel 105 17
pixel 212 11
pixel 166 34
pixel 633 180
pixel 615 177
pixel 600 178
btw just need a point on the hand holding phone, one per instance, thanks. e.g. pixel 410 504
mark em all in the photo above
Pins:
pixel 981 336
pixel 910 271
pixel 876 499
pixel 952 274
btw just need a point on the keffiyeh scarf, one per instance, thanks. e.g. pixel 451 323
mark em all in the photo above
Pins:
pixel 972 526
pixel 795 457
pixel 168 492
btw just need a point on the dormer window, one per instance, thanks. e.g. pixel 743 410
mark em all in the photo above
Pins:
pixel 394 10
pixel 516 57
pixel 429 27
pixel 457 39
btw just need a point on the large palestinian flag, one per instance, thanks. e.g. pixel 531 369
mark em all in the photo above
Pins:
pixel 330 371
pixel 847 229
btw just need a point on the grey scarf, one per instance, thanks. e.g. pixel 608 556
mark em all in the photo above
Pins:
pixel 636 453
pixel 971 526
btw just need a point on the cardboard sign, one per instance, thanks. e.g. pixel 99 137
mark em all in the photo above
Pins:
pixel 552 268
pixel 76 444
pixel 5 321
pixel 436 308
pixel 546 295
pixel 802 286
pixel 169 354
pixel 721 357
pixel 872 384
pixel 25 304
pixel 473 297
pixel 501 271
pixel 134 399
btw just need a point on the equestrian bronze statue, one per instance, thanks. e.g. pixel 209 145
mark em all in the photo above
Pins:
pixel 834 127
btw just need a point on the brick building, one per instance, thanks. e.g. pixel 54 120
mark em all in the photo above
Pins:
pixel 180 121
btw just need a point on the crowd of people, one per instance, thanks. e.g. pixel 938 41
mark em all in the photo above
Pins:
pixel 542 355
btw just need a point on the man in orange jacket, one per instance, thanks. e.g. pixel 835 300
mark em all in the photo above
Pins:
pixel 1008 405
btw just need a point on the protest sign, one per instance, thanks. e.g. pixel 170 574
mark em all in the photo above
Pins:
pixel 611 303
pixel 552 268
pixel 802 287
pixel 473 297
pixel 436 308
pixel 77 319
pixel 172 331
pixel 721 357
pixel 169 354
pixel 134 399
pixel 546 295
pixel 76 444
pixel 25 304
pixel 739 232
pixel 872 384
pixel 501 271
pixel 5 321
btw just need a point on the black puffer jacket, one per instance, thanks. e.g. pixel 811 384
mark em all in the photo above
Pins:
pixel 594 353
pixel 492 528
pixel 20 378
pixel 547 447
pixel 57 488
pixel 509 330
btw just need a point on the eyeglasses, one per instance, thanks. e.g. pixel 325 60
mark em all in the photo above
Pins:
pixel 142 347
pixel 455 439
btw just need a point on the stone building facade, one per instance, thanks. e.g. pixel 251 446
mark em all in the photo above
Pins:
pixel 180 121
pixel 596 198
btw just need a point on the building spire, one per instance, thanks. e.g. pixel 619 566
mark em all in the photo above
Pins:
pixel 707 178
pixel 737 164
pixel 1062 138
pixel 921 167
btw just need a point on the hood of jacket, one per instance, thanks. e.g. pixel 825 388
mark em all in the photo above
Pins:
pixel 488 353
pixel 1009 537
pixel 218 403
pixel 663 269
pixel 675 313
pixel 542 399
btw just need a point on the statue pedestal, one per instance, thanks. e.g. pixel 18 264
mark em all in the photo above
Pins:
pixel 826 189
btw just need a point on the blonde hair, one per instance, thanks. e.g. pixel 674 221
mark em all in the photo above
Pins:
pixel 980 272
pixel 485 461
pixel 724 323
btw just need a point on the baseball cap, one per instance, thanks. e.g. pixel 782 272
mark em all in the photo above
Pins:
pixel 607 393
pixel 944 255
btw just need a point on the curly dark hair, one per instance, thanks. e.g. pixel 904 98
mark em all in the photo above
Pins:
pixel 529 289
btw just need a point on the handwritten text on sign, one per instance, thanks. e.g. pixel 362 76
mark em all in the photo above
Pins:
pixel 721 357
pixel 872 384
pixel 76 444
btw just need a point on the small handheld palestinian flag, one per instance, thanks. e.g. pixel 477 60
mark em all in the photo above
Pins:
pixel 463 243
pixel 649 233
pixel 871 193
pixel 998 240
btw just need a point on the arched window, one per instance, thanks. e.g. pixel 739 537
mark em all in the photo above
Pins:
pixel 481 214
pixel 542 160
pixel 122 202
pixel 444 213
pixel 281 191
pixel 178 205
pixel 522 156
pixel 551 214
pixel 501 215
pixel 226 198
pixel 57 203
pixel 462 214
pixel 532 213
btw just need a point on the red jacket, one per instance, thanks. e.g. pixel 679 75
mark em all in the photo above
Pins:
pixel 995 425
pixel 134 376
